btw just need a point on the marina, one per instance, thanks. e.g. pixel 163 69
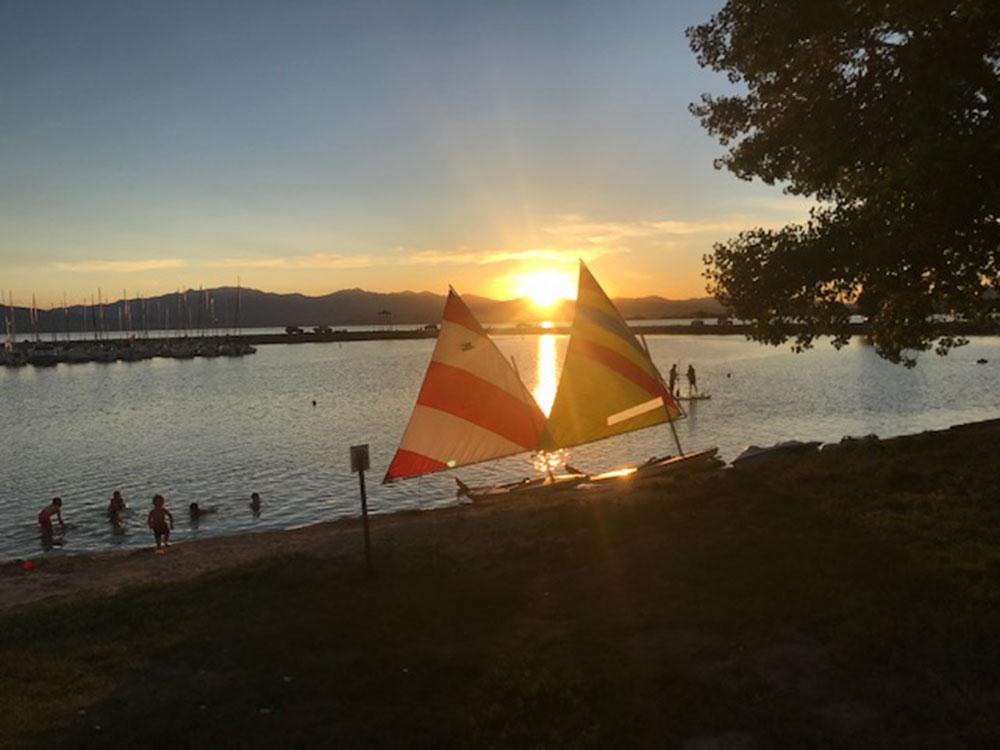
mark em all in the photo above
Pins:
pixel 50 354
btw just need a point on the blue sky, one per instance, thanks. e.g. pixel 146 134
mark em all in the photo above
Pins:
pixel 307 146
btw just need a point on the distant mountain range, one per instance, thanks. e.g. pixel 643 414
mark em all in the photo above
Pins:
pixel 211 308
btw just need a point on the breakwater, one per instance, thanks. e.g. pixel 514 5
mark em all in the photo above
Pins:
pixel 51 353
pixel 698 328
pixel 186 347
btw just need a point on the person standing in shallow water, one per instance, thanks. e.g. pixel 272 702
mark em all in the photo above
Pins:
pixel 45 520
pixel 116 507
pixel 673 379
pixel 692 381
pixel 157 521
pixel 255 504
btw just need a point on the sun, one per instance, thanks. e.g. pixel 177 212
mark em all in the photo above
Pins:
pixel 544 287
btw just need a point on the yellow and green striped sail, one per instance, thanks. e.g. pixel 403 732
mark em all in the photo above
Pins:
pixel 609 385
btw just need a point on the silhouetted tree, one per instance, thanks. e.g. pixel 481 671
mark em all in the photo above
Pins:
pixel 888 114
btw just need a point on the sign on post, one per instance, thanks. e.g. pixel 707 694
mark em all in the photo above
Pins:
pixel 359 458
pixel 359 465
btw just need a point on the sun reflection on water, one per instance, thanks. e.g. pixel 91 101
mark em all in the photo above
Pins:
pixel 545 387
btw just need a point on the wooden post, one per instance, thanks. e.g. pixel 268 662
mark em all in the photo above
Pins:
pixel 359 463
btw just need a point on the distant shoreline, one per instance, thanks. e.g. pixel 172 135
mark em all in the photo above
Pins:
pixel 660 329
pixel 678 329
pixel 307 334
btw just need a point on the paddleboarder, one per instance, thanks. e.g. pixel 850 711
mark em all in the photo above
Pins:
pixel 692 381
pixel 673 379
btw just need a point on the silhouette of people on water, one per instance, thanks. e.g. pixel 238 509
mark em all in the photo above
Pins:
pixel 255 504
pixel 692 381
pixel 673 379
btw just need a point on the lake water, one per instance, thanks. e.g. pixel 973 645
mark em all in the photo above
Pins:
pixel 214 430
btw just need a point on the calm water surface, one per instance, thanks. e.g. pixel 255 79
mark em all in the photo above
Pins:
pixel 214 430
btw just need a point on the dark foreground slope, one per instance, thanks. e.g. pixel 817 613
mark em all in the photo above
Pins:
pixel 848 600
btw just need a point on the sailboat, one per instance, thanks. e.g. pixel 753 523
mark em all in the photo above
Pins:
pixel 610 386
pixel 472 407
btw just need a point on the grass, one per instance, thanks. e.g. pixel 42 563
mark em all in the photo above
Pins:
pixel 847 600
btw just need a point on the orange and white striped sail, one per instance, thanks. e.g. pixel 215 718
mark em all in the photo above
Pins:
pixel 472 405
pixel 609 384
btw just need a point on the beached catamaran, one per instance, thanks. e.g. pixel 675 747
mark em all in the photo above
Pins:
pixel 472 407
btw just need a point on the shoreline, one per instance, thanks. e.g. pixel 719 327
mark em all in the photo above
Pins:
pixel 104 573
pixel 344 336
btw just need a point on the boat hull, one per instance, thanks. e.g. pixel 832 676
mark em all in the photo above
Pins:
pixel 755 455
pixel 661 468
pixel 522 488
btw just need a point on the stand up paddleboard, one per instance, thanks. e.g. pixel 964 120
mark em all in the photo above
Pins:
pixel 699 397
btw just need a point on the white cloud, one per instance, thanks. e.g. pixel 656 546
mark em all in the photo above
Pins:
pixel 118 266
pixel 579 229
pixel 314 260
pixel 572 236
pixel 484 257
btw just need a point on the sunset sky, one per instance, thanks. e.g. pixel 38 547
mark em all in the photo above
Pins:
pixel 313 146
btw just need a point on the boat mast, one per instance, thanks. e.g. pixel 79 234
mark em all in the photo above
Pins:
pixel 34 317
pixel 670 419
pixel 239 296
pixel 8 319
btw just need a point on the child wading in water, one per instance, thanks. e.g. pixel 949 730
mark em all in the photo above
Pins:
pixel 157 521
pixel 45 522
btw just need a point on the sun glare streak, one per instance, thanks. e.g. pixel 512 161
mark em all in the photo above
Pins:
pixel 548 380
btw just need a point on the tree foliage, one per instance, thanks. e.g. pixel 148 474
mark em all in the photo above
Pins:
pixel 888 114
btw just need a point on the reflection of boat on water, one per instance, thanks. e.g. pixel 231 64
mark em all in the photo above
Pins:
pixel 610 386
